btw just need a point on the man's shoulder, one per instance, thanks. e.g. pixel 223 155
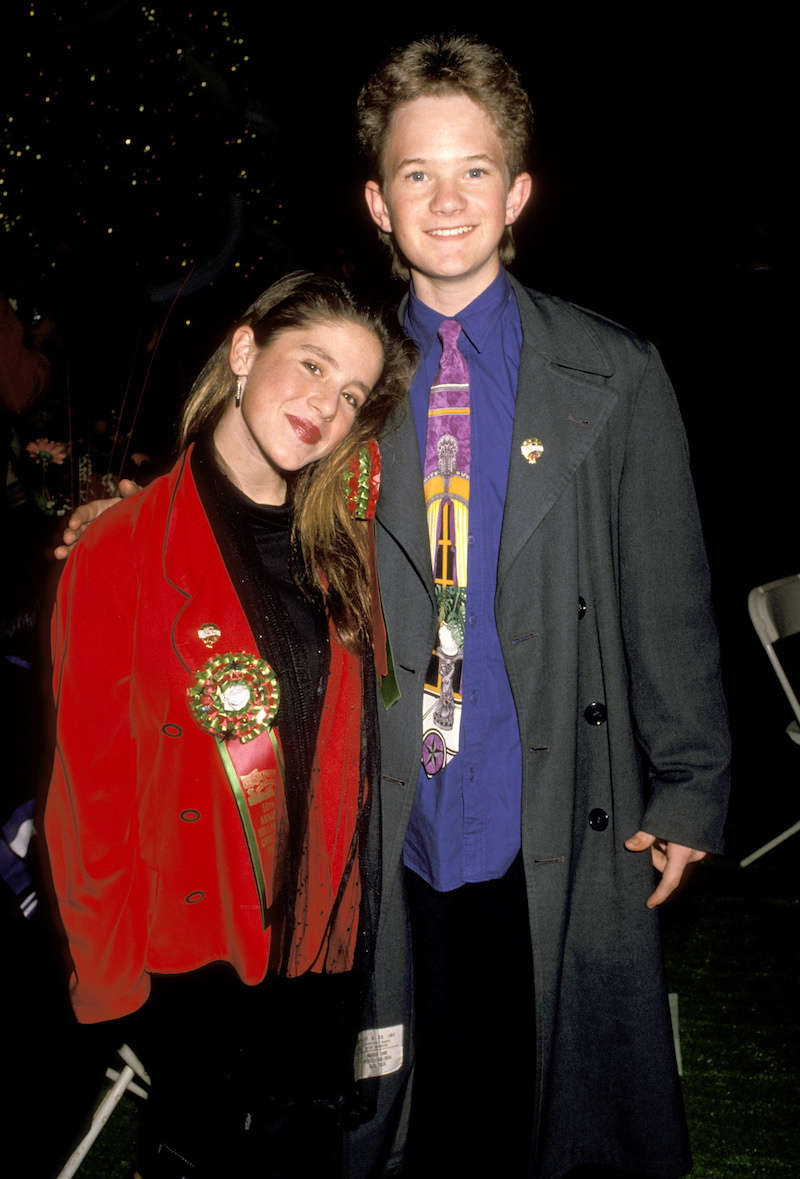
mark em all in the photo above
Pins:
pixel 577 336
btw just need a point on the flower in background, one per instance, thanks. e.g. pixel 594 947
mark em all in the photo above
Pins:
pixel 45 451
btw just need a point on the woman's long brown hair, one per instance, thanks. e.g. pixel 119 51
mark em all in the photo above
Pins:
pixel 333 543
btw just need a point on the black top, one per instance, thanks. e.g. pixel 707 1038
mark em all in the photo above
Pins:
pixel 286 614
pixel 290 626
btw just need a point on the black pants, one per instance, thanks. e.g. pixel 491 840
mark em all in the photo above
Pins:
pixel 245 1079
pixel 475 1040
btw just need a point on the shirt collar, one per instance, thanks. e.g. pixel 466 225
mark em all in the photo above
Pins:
pixel 478 320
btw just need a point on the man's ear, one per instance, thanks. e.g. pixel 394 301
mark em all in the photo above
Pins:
pixel 243 351
pixel 518 196
pixel 378 209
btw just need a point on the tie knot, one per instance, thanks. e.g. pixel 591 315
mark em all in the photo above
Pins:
pixel 449 331
pixel 453 368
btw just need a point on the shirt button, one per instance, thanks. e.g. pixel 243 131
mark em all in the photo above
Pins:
pixel 473 621
pixel 474 697
pixel 581 608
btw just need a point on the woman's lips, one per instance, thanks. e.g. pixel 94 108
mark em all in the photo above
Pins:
pixel 306 431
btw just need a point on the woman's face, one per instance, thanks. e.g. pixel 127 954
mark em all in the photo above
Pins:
pixel 300 396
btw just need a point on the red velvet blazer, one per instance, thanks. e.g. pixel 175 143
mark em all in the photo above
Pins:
pixel 147 849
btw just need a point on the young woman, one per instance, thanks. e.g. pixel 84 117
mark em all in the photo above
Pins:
pixel 208 815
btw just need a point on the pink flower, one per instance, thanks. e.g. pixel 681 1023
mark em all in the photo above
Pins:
pixel 43 450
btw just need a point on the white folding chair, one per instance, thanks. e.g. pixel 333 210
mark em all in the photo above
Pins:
pixel 775 613
pixel 122 1081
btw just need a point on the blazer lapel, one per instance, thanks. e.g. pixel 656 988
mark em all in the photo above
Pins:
pixel 193 564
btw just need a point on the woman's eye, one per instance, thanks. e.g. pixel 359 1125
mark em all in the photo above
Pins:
pixel 351 399
pixel 312 367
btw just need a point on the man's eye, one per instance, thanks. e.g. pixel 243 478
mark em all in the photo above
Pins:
pixel 474 173
pixel 416 176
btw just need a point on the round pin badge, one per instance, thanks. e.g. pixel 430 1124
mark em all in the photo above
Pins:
pixel 532 449
pixel 234 695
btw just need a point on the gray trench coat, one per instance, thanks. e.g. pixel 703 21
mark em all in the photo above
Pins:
pixel 604 618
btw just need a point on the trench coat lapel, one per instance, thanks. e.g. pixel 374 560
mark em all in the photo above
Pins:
pixel 401 505
pixel 565 394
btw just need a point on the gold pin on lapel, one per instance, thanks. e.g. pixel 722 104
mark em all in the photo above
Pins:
pixel 532 449
pixel 209 634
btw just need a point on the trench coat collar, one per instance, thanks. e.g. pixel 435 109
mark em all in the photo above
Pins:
pixel 564 397
pixel 565 394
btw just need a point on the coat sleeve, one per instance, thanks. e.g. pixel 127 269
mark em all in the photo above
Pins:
pixel 91 812
pixel 670 637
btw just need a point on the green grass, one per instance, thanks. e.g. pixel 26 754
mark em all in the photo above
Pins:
pixel 731 945
pixel 113 1153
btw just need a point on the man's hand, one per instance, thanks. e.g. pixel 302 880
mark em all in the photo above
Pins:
pixel 82 517
pixel 670 859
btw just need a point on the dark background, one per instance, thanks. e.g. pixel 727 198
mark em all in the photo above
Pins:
pixel 661 146
pixel 148 146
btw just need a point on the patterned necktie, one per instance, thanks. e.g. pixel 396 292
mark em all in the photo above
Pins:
pixel 446 474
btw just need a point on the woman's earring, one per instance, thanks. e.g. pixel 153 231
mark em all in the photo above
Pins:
pixel 237 401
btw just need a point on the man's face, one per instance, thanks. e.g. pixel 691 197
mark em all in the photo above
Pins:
pixel 445 195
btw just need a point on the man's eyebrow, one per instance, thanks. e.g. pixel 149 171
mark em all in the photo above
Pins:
pixel 413 160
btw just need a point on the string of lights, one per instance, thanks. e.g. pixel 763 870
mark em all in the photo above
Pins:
pixel 137 124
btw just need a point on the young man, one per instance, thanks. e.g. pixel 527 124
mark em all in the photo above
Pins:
pixel 559 710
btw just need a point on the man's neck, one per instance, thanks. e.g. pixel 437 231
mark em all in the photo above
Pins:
pixel 448 296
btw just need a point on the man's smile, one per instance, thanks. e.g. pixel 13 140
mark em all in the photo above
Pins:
pixel 450 232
